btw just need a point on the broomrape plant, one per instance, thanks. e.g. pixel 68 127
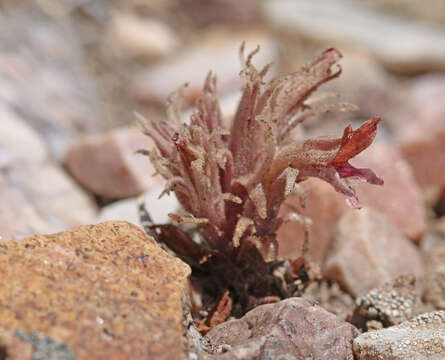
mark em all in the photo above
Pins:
pixel 232 182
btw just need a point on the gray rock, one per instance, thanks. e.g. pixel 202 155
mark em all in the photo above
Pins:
pixel 390 304
pixel 402 45
pixel 421 338
pixel 36 195
pixel 367 251
pixel 290 329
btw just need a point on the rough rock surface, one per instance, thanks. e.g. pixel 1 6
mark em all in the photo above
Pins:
pixel 36 196
pixel 367 251
pixel 419 46
pixel 105 291
pixel 433 250
pixel 324 207
pixel 112 168
pixel 422 338
pixel 390 304
pixel 400 199
pixel 292 328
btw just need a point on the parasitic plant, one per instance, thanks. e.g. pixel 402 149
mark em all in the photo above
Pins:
pixel 232 182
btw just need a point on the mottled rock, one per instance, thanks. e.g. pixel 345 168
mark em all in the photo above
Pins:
pixel 367 251
pixel 36 196
pixel 419 127
pixel 139 37
pixel 402 45
pixel 216 52
pixel 292 328
pixel 433 250
pixel 390 304
pixel 107 165
pixel 400 199
pixel 324 207
pixel 421 338
pixel 105 291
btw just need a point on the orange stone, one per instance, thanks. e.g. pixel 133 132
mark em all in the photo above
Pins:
pixel 107 291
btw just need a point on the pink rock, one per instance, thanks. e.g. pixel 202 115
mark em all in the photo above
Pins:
pixel 420 129
pixel 290 329
pixel 216 52
pixel 108 166
pixel 324 206
pixel 400 198
pixel 367 251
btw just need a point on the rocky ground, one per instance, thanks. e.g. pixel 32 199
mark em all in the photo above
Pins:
pixel 72 74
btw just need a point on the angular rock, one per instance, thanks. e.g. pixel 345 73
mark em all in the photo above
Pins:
pixel 105 291
pixel 402 45
pixel 141 38
pixel 292 328
pixel 107 164
pixel 36 196
pixel 367 251
pixel 400 199
pixel 390 304
pixel 216 52
pixel 433 250
pixel 422 338
pixel 419 127
pixel 324 207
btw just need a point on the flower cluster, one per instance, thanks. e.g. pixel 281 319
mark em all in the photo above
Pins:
pixel 232 182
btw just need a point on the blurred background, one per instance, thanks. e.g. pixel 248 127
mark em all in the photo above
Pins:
pixel 74 72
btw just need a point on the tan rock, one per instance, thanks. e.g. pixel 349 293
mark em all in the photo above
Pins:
pixel 107 164
pixel 367 251
pixel 138 37
pixel 422 338
pixel 217 52
pixel 36 196
pixel 400 198
pixel 324 206
pixel 106 291
pixel 290 329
